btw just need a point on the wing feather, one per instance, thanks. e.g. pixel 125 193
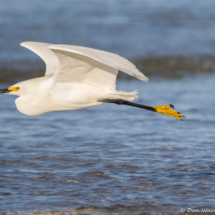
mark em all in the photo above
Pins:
pixel 76 63
pixel 48 56
pixel 79 68
pixel 112 60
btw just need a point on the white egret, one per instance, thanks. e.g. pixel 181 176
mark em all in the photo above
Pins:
pixel 77 77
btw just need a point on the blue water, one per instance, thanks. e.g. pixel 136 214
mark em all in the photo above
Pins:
pixel 112 159
pixel 131 28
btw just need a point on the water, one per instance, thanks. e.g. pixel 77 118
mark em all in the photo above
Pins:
pixel 131 28
pixel 112 159
pixel 160 36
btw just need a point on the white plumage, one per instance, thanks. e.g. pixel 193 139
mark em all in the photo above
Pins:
pixel 76 77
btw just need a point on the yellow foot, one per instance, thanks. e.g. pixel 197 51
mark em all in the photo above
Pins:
pixel 166 110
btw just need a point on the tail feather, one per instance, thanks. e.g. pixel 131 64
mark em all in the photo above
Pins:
pixel 129 96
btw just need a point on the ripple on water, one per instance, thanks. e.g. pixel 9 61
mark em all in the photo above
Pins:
pixel 146 163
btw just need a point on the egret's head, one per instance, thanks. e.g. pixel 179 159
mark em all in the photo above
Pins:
pixel 28 87
pixel 10 90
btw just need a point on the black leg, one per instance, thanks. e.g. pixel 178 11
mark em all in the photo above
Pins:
pixel 164 109
pixel 124 102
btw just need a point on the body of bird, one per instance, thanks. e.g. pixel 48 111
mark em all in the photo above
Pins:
pixel 77 77
pixel 42 95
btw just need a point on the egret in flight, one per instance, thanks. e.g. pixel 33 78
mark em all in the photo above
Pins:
pixel 77 77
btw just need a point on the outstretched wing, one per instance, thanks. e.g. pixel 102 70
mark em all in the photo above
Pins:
pixel 77 59
pixel 48 56
pixel 81 64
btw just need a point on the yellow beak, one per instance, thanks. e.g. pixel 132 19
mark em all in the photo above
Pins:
pixel 8 90
pixel 14 89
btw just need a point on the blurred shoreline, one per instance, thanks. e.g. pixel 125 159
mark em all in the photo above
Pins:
pixel 160 66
